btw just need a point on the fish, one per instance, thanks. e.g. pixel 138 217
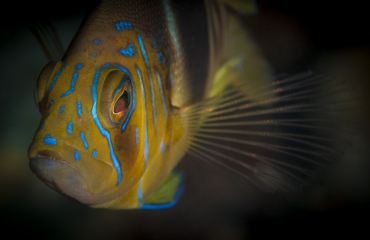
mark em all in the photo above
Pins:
pixel 145 82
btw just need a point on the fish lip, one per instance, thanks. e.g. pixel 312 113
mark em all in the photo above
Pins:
pixel 58 174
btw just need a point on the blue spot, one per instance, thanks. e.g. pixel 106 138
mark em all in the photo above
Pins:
pixel 51 103
pixel 160 85
pixel 79 66
pixel 129 51
pixel 97 41
pixel 73 81
pixel 94 114
pixel 163 147
pixel 145 57
pixel 79 108
pixel 160 57
pixel 56 76
pixel 94 54
pixel 136 136
pixel 94 153
pixel 61 109
pixel 122 25
pixel 41 126
pixel 70 128
pixel 153 43
pixel 77 155
pixel 48 140
pixel 82 136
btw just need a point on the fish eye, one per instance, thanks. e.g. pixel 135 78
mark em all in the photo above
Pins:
pixel 121 105
pixel 116 97
pixel 40 89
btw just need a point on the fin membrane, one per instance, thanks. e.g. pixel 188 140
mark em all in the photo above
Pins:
pixel 167 193
pixel 278 136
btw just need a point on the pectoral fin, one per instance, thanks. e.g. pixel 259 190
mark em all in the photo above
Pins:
pixel 167 193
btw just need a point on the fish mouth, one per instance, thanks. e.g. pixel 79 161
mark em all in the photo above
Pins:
pixel 59 175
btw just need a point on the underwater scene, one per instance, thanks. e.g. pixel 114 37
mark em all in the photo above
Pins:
pixel 216 120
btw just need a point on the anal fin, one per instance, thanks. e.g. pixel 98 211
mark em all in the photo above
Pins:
pixel 167 193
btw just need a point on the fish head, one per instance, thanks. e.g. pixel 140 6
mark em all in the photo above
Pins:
pixel 86 146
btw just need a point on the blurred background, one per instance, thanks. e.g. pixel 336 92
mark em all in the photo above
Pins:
pixel 307 35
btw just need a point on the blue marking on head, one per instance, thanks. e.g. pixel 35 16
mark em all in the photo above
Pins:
pixel 104 132
pixel 163 147
pixel 129 51
pixel 145 57
pixel 94 153
pixel 142 48
pixel 82 136
pixel 51 103
pixel 70 128
pixel 97 41
pixel 56 76
pixel 160 85
pixel 77 155
pixel 41 126
pixel 122 25
pixel 73 81
pixel 120 86
pixel 153 43
pixel 160 57
pixel 61 109
pixel 180 190
pixel 146 142
pixel 79 108
pixel 48 140
pixel 78 66
pixel 136 136
pixel 94 54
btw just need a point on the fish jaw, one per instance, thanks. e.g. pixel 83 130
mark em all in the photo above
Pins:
pixel 68 178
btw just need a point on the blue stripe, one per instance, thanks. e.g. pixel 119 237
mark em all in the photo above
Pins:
pixel 120 86
pixel 145 57
pixel 136 136
pixel 122 25
pixel 129 51
pixel 61 109
pixel 70 128
pixel 159 82
pixel 48 140
pixel 41 126
pixel 146 142
pixel 50 103
pixel 73 81
pixel 77 155
pixel 94 114
pixel 79 108
pixel 82 136
pixel 171 25
pixel 56 76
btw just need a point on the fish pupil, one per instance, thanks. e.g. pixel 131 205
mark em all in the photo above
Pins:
pixel 122 103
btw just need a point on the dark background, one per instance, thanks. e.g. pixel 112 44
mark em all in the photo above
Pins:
pixel 319 35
